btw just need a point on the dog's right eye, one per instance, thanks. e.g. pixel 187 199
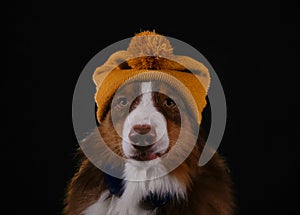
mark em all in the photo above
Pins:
pixel 122 102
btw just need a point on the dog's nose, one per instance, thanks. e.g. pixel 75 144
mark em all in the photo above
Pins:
pixel 142 137
pixel 142 129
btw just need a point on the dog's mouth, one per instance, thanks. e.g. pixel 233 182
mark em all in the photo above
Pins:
pixel 146 156
pixel 146 153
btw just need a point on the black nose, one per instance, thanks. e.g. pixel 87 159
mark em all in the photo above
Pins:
pixel 142 137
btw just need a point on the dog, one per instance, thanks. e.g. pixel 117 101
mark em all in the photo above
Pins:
pixel 150 126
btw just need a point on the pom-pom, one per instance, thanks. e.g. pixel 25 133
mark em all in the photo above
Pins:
pixel 150 50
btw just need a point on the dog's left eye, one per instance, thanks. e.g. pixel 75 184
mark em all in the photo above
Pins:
pixel 122 102
pixel 169 103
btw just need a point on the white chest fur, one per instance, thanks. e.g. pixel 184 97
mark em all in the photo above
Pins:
pixel 135 191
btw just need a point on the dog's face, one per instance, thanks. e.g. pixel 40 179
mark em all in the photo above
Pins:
pixel 149 124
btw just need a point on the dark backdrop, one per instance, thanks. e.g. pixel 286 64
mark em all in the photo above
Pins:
pixel 252 48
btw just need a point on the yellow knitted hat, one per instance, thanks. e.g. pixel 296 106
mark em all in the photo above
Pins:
pixel 150 57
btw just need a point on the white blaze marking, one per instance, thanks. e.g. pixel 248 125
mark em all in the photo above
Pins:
pixel 146 91
pixel 141 114
pixel 146 113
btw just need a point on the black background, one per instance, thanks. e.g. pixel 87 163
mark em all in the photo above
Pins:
pixel 252 47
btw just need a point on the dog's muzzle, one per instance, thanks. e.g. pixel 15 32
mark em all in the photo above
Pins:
pixel 142 137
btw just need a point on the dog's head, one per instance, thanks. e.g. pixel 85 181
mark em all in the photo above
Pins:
pixel 146 101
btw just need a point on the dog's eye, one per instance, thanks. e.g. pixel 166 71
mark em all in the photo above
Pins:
pixel 169 103
pixel 122 102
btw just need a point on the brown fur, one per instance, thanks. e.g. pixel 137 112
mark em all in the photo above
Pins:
pixel 209 187
pixel 85 188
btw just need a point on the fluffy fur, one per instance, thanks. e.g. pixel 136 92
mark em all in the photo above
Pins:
pixel 199 190
pixel 193 189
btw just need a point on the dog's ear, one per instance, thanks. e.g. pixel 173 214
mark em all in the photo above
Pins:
pixel 197 68
pixel 113 62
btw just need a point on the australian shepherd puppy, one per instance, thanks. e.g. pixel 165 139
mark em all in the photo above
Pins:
pixel 149 130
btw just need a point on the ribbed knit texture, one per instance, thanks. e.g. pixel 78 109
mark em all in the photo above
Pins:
pixel 149 57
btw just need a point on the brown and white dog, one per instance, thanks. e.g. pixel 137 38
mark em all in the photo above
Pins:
pixel 144 132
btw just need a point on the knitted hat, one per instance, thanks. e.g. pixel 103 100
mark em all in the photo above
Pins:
pixel 149 57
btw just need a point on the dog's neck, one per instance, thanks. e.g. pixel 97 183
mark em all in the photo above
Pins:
pixel 152 200
pixel 150 189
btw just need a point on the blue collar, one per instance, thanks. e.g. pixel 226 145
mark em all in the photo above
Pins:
pixel 116 187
